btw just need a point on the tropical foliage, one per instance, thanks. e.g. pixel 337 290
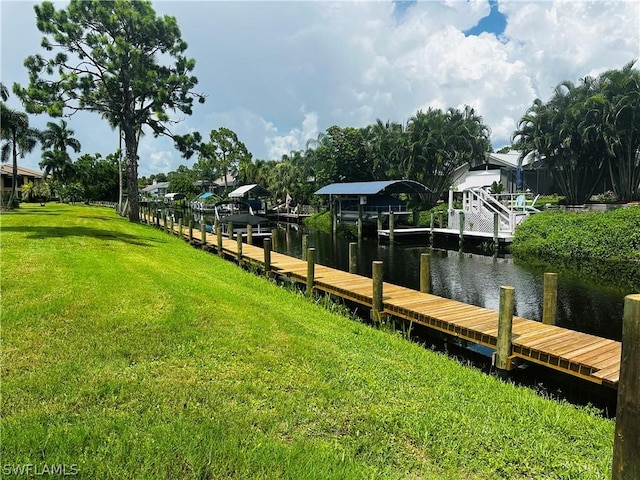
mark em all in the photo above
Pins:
pixel 428 149
pixel 607 243
pixel 117 59
pixel 221 156
pixel 18 139
pixel 586 131
pixel 56 161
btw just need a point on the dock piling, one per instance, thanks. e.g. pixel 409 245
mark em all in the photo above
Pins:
pixel 311 266
pixel 203 233
pixel 305 244
pixel 267 256
pixel 461 234
pixel 496 228
pixel 505 328
pixel 425 272
pixel 274 239
pixel 219 240
pixel 190 231
pixel 249 234
pixel 239 247
pixel 230 230
pixel 180 228
pixel 392 226
pixel 550 298
pixel 376 310
pixel 626 461
pixel 353 257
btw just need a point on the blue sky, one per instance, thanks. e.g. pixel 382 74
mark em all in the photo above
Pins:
pixel 279 73
pixel 494 23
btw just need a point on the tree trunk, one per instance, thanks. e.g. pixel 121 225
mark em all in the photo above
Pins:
pixel 131 144
pixel 14 172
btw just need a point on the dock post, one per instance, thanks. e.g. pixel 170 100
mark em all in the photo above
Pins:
pixel 376 307
pixel 550 298
pixel 359 226
pixel 180 228
pixel 505 328
pixel 249 234
pixel 392 226
pixel 379 222
pixel 496 227
pixel 433 216
pixel 353 257
pixel 274 239
pixel 425 272
pixel 626 444
pixel 219 240
pixel 230 230
pixel 203 232
pixel 461 235
pixel 334 221
pixel 190 230
pixel 311 267
pixel 171 225
pixel 267 256
pixel 305 244
pixel 239 248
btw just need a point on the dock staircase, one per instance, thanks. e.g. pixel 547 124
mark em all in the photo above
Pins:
pixel 484 212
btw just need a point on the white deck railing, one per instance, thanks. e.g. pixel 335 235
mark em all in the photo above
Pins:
pixel 480 209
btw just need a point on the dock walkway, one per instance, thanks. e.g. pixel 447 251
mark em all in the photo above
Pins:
pixel 577 354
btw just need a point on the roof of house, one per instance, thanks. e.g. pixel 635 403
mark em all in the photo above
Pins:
pixel 7 169
pixel 155 187
pixel 373 188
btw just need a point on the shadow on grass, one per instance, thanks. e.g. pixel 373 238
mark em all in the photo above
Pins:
pixel 41 232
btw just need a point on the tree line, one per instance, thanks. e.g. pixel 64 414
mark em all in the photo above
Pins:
pixel 121 61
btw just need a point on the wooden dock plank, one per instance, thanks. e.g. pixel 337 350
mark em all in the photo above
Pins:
pixel 582 355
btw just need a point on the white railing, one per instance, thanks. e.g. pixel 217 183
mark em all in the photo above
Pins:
pixel 481 207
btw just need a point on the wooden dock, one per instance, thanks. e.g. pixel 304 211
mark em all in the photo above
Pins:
pixel 577 354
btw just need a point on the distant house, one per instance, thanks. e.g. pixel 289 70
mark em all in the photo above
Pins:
pixel 156 189
pixel 217 186
pixel 24 176
pixel 533 175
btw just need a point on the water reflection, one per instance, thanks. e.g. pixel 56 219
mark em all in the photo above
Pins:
pixel 473 279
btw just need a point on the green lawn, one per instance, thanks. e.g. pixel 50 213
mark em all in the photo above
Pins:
pixel 129 354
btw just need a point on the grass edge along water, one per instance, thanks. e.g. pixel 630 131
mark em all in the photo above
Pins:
pixel 129 354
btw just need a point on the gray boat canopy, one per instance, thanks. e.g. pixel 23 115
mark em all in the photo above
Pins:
pixel 374 188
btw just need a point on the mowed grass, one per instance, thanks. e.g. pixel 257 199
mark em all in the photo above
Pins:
pixel 130 354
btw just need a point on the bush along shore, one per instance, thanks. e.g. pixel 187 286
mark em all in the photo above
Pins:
pixel 129 354
pixel 606 244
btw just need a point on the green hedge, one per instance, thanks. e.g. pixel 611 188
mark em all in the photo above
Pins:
pixel 603 240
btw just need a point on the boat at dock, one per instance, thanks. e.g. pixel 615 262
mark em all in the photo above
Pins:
pixel 234 217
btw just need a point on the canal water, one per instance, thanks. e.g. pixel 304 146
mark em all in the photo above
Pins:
pixel 583 305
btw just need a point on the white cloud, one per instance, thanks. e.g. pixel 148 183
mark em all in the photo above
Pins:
pixel 278 73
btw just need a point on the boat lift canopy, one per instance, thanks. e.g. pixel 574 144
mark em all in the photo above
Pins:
pixel 255 190
pixel 374 188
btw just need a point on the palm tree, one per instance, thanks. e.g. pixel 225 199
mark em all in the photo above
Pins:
pixel 18 140
pixel 619 104
pixel 558 134
pixel 4 92
pixel 59 137
pixel 57 164
pixel 438 142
